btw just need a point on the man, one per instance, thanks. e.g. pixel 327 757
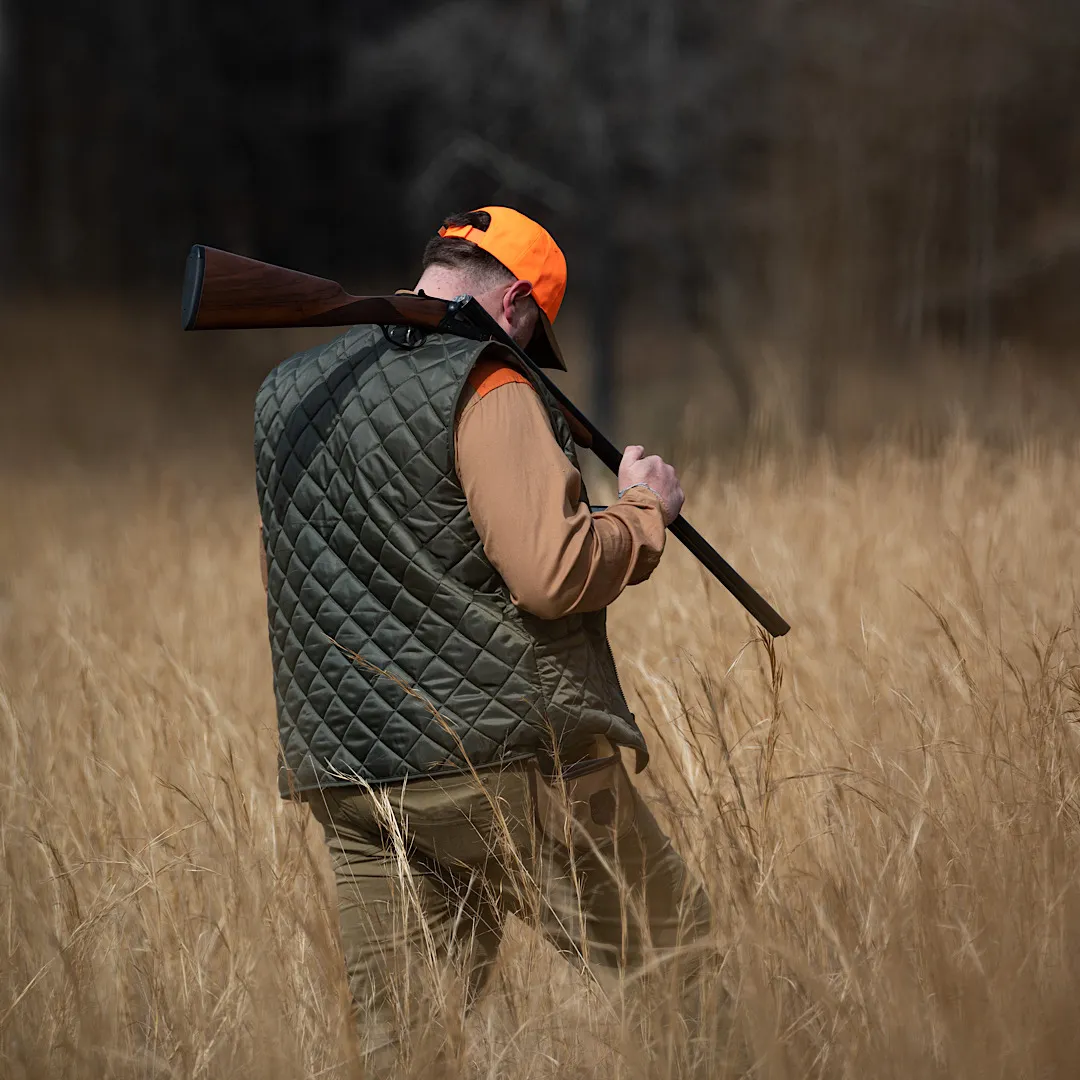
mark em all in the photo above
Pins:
pixel 448 703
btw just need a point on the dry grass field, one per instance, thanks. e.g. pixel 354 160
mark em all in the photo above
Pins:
pixel 885 809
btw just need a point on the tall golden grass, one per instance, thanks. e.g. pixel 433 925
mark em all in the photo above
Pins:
pixel 884 806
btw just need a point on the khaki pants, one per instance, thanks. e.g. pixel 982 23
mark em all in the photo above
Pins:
pixel 429 870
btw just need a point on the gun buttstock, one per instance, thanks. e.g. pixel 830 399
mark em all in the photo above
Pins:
pixel 223 291
pixel 193 283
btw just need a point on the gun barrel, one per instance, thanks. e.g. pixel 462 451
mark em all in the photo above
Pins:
pixel 769 618
pixel 473 313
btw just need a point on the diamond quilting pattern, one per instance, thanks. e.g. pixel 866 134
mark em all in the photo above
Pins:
pixel 372 553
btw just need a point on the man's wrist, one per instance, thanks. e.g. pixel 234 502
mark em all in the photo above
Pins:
pixel 648 487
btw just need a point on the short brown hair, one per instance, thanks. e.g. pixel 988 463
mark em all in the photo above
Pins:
pixel 457 253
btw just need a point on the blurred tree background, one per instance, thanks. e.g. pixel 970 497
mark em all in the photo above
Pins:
pixel 843 176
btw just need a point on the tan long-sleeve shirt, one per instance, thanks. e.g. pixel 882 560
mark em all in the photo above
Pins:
pixel 524 497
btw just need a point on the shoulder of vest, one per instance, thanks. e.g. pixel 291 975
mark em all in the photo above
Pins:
pixel 354 336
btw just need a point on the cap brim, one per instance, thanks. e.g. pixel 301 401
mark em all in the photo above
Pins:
pixel 543 346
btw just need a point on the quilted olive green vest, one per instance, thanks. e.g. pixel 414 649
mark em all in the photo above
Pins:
pixel 396 649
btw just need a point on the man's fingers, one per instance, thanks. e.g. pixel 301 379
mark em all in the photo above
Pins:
pixel 632 454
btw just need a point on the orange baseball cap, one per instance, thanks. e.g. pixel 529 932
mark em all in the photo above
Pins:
pixel 530 254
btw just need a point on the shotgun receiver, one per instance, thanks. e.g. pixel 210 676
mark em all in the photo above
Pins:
pixel 223 291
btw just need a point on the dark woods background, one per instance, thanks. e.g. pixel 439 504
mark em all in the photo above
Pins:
pixel 842 178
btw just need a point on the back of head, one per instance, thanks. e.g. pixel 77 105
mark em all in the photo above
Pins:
pixel 477 266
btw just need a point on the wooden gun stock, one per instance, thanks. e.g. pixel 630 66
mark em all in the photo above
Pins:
pixel 223 291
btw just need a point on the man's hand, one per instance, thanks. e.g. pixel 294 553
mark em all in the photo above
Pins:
pixel 654 473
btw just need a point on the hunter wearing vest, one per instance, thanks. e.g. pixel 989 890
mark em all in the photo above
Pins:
pixel 448 704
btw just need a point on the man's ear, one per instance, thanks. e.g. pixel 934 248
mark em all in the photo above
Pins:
pixel 518 291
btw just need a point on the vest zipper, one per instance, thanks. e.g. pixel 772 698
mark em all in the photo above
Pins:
pixel 615 672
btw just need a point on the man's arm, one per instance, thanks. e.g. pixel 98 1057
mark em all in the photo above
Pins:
pixel 524 497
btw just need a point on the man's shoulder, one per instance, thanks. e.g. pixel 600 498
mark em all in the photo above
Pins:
pixel 491 372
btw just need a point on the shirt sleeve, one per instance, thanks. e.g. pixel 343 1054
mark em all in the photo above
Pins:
pixel 524 497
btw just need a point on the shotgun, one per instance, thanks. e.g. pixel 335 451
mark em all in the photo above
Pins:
pixel 223 291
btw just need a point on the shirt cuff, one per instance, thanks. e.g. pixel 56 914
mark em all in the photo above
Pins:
pixel 642 512
pixel 643 496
